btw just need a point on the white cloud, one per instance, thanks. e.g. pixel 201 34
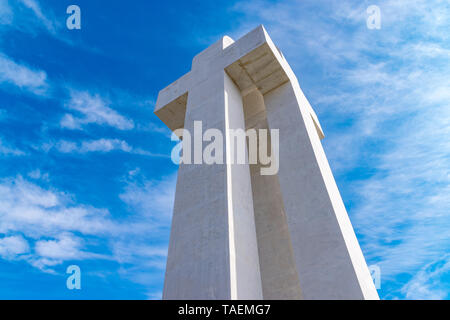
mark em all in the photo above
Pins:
pixel 26 15
pixel 100 145
pixel 34 17
pixel 22 76
pixel 92 109
pixel 6 150
pixel 6 13
pixel 56 229
pixel 105 145
pixel 143 264
pixel 151 199
pixel 430 282
pixel 151 127
pixel 35 7
pixel 36 212
pixel 142 254
pixel 66 247
pixel 12 247
pixel 37 175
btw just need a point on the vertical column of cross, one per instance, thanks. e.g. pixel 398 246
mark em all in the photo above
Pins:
pixel 244 262
pixel 213 252
pixel 278 272
pixel 198 262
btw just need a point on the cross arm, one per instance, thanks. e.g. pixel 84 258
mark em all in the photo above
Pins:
pixel 171 103
pixel 255 62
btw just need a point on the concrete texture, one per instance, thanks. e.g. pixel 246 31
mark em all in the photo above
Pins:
pixel 278 272
pixel 237 234
pixel 213 253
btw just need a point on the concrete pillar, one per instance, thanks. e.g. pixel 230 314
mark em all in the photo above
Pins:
pixel 278 272
pixel 213 252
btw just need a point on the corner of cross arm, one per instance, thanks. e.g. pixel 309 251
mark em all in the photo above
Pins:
pixel 171 103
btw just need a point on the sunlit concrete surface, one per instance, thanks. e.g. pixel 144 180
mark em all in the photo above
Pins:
pixel 237 234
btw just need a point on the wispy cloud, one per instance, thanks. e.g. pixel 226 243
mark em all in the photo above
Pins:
pixel 38 175
pixel 22 76
pixel 142 263
pixel 35 7
pixel 46 227
pixel 6 13
pixel 27 16
pixel 65 247
pixel 92 109
pixel 13 247
pixel 143 259
pixel 35 211
pixel 429 282
pixel 150 199
pixel 33 18
pixel 7 150
pixel 46 221
pixel 102 145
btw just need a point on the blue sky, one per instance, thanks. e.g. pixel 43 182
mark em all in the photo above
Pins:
pixel 85 170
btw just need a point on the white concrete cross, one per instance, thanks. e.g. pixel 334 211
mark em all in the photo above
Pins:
pixel 237 234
